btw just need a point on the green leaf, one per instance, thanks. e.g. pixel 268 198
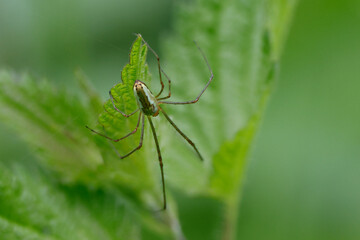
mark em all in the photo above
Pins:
pixel 10 230
pixel 52 121
pixel 31 208
pixel 238 44
pixel 280 15
pixel 242 41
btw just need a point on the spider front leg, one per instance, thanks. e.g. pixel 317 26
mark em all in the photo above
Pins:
pixel 116 140
pixel 160 70
pixel 140 143
pixel 198 97
pixel 169 93
pixel 122 113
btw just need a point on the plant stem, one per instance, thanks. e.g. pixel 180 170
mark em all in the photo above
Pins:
pixel 246 139
pixel 230 219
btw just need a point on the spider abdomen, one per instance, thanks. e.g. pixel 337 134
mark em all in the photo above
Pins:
pixel 145 99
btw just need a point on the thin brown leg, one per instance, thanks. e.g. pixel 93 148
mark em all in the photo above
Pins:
pixel 116 140
pixel 160 160
pixel 140 143
pixel 160 71
pixel 198 97
pixel 169 93
pixel 158 62
pixel 122 113
pixel 182 134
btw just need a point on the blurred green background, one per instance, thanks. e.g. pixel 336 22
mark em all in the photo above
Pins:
pixel 304 175
pixel 303 180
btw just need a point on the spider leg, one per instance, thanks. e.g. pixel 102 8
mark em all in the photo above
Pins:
pixel 116 140
pixel 122 113
pixel 158 63
pixel 160 161
pixel 140 143
pixel 160 70
pixel 210 79
pixel 182 134
pixel 169 92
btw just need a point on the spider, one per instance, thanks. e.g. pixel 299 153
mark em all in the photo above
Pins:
pixel 149 106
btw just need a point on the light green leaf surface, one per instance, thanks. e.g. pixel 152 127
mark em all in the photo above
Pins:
pixel 242 41
pixel 31 208
pixel 52 121
pixel 10 230
pixel 239 43
pixel 76 155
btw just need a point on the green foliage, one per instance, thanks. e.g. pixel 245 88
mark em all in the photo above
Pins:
pixel 49 120
pixel 241 40
pixel 58 121
pixel 33 209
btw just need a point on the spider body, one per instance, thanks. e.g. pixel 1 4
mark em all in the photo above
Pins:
pixel 145 99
